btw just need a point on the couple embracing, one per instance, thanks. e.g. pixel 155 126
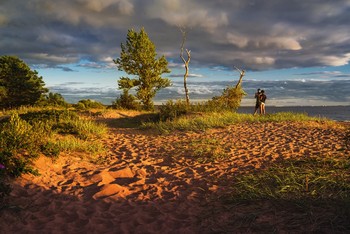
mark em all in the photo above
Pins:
pixel 260 101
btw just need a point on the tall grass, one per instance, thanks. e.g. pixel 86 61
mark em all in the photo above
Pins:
pixel 24 136
pixel 203 121
pixel 19 143
pixel 301 195
pixel 73 144
pixel 315 178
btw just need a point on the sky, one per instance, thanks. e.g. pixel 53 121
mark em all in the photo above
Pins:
pixel 297 50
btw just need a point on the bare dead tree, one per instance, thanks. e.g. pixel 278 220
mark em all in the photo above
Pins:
pixel 241 72
pixel 185 61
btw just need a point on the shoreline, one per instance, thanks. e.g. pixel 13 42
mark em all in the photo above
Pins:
pixel 337 113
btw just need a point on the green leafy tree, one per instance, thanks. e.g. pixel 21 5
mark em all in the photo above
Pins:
pixel 19 85
pixel 138 57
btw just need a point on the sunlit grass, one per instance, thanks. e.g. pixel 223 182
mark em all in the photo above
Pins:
pixel 314 178
pixel 48 131
pixel 203 121
pixel 70 144
pixel 207 150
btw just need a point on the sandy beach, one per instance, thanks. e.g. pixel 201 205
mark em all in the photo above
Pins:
pixel 151 183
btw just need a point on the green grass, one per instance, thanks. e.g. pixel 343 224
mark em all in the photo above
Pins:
pixel 208 150
pixel 28 132
pixel 302 195
pixel 203 121
pixel 313 178
pixel 48 131
pixel 94 149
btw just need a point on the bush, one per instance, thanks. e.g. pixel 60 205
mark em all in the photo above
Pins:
pixel 229 100
pixel 53 99
pixel 172 110
pixel 126 101
pixel 19 143
pixel 50 116
pixel 51 149
pixel 23 137
pixel 89 104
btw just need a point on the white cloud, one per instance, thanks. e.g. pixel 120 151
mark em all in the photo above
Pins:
pixel 123 6
pixel 96 13
pixel 195 75
pixel 336 60
pixel 263 60
pixel 284 43
pixel 187 13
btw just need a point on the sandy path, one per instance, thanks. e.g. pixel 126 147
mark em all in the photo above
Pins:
pixel 151 183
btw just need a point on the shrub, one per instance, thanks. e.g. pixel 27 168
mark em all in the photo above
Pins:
pixel 53 99
pixel 89 104
pixel 126 101
pixel 172 110
pixel 84 129
pixel 230 99
pixel 51 149
pixel 50 116
pixel 19 143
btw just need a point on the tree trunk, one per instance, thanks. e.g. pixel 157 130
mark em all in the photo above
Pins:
pixel 242 72
pixel 186 63
pixel 186 75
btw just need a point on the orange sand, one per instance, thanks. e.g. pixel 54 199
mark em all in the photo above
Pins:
pixel 152 184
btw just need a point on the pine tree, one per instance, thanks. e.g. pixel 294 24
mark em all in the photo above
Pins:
pixel 19 85
pixel 138 57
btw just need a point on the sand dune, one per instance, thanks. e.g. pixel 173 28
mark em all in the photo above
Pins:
pixel 152 183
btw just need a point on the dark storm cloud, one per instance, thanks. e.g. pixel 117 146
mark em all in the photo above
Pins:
pixel 255 34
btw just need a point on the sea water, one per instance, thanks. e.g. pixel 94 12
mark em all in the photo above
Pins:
pixel 338 113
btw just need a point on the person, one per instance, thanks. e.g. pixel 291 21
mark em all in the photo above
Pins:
pixel 262 102
pixel 257 104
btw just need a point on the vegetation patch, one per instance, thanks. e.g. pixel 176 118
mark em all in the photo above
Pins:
pixel 314 178
pixel 208 150
pixel 307 195
pixel 207 120
pixel 24 136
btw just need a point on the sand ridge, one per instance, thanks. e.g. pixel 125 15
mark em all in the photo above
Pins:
pixel 152 183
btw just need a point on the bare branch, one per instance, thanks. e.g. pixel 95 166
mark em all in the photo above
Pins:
pixel 186 62
pixel 241 72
